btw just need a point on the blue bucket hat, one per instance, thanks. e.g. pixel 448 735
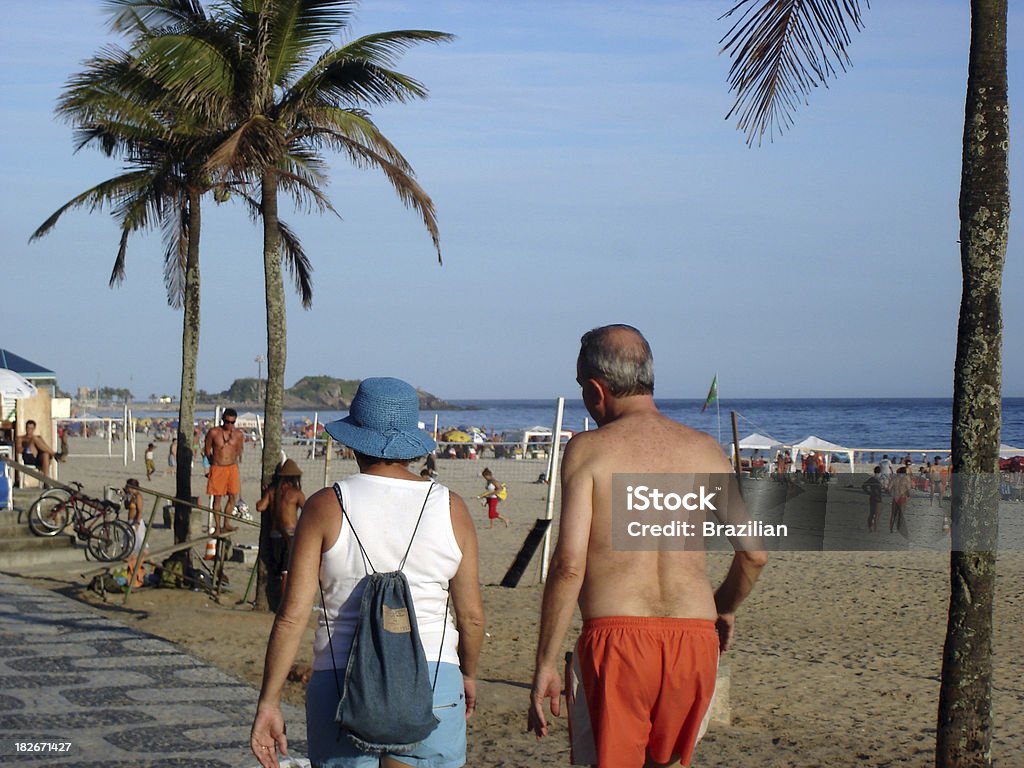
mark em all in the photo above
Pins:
pixel 383 421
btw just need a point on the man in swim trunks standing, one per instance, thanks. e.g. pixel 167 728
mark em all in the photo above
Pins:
pixel 223 449
pixel 648 653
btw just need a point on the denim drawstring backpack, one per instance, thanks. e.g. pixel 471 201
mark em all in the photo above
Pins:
pixel 386 703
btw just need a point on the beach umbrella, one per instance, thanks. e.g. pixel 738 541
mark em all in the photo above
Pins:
pixel 457 436
pixel 15 386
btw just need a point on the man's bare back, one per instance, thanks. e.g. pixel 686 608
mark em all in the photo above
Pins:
pixel 646 583
pixel 623 593
pixel 284 512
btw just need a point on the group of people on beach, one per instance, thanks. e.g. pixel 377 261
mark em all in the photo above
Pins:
pixel 899 482
pixel 644 668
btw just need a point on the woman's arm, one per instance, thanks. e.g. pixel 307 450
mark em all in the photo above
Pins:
pixel 467 599
pixel 320 523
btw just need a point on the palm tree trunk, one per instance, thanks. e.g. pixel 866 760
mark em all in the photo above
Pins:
pixel 189 357
pixel 277 354
pixel 965 699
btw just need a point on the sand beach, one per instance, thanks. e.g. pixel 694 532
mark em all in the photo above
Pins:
pixel 836 661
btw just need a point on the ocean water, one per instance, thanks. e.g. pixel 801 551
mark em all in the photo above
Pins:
pixel 910 423
pixel 917 424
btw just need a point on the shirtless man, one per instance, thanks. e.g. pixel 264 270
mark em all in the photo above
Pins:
pixel 223 449
pixel 34 451
pixel 900 490
pixel 638 607
pixel 283 499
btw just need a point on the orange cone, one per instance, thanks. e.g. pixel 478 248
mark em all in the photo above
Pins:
pixel 211 550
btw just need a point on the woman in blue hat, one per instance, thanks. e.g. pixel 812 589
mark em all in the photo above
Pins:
pixel 382 504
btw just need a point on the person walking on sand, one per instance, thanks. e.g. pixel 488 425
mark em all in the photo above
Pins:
pixel 652 626
pixel 493 495
pixel 223 449
pixel 150 458
pixel 900 491
pixel 283 499
pixel 873 487
pixel 378 511
pixel 172 456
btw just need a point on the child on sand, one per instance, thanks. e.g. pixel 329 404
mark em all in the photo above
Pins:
pixel 494 494
pixel 150 461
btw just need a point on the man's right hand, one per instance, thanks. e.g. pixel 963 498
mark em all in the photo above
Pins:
pixel 726 625
pixel 547 684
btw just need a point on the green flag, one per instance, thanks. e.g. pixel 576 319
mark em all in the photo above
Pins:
pixel 712 394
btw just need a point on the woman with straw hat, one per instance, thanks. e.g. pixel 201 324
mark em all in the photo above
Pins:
pixel 381 504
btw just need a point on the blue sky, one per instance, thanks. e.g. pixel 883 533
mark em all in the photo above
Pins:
pixel 583 173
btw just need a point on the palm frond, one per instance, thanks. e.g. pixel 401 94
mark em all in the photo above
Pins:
pixel 117 274
pixel 175 236
pixel 255 144
pixel 95 198
pixel 781 49
pixel 403 182
pixel 297 263
pixel 143 17
pixel 360 73
pixel 325 123
pixel 298 28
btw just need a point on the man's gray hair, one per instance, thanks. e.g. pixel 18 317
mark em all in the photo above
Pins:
pixel 620 356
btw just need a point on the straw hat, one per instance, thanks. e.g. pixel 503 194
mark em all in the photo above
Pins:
pixel 289 469
pixel 383 421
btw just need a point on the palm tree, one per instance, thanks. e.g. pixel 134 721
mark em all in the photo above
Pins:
pixel 289 113
pixel 115 105
pixel 782 48
pixel 289 93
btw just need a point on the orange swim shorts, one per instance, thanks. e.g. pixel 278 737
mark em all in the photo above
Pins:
pixel 223 480
pixel 640 688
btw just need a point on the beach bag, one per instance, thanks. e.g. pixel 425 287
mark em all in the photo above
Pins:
pixel 386 704
pixel 502 491
pixel 172 573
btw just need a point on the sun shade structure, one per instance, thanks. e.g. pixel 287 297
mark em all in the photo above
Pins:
pixel 14 386
pixel 35 373
pixel 814 444
pixel 759 442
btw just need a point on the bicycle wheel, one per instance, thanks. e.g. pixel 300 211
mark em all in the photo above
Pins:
pixel 50 513
pixel 110 540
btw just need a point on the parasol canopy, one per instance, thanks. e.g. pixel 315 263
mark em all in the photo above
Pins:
pixel 15 386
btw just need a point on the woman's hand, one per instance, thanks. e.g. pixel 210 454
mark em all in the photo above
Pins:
pixel 268 735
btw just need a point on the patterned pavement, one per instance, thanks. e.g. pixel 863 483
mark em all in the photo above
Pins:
pixel 79 689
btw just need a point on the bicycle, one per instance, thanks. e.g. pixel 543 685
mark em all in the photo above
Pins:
pixel 93 521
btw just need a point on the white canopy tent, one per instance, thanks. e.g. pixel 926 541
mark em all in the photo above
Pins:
pixel 759 442
pixel 814 444
pixel 246 420
pixel 536 434
pixel 1008 451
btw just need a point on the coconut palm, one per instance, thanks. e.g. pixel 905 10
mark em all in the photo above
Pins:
pixel 115 106
pixel 290 93
pixel 783 48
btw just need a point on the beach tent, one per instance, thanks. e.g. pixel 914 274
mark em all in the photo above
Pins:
pixel 1008 451
pixel 759 442
pixel 536 434
pixel 814 444
pixel 246 420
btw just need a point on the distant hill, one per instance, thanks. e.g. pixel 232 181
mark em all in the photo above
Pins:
pixel 324 392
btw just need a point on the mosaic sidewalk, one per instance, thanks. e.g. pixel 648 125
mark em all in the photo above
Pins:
pixel 79 689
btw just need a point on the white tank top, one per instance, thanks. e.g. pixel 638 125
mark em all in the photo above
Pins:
pixel 383 511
